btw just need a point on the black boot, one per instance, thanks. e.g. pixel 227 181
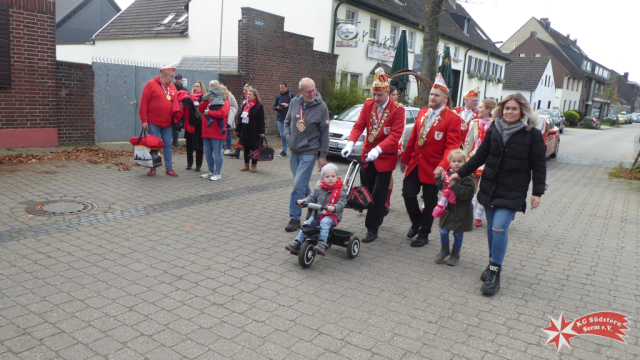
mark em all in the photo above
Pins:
pixel 444 252
pixel 455 256
pixel 492 284
pixel 485 273
pixel 236 154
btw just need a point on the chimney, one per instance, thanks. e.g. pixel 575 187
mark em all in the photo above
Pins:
pixel 626 76
pixel 546 22
pixel 568 37
pixel 575 41
pixel 534 33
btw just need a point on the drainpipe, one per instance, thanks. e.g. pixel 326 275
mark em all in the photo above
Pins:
pixel 335 23
pixel 464 70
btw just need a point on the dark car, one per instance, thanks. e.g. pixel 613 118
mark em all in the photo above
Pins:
pixel 556 116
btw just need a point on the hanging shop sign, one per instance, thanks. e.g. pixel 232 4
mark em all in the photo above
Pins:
pixel 347 32
pixel 374 52
pixel 346 44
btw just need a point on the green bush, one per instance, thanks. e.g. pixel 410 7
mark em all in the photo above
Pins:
pixel 587 123
pixel 340 98
pixel 580 114
pixel 571 117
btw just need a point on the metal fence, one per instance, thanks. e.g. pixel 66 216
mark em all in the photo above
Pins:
pixel 117 90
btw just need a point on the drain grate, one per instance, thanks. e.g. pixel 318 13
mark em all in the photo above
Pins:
pixel 60 207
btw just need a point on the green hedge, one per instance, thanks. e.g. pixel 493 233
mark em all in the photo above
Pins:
pixel 340 98
pixel 580 114
pixel 571 117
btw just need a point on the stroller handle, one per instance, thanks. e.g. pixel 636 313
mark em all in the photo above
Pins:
pixel 313 206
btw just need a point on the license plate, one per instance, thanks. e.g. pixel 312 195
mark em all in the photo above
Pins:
pixel 333 144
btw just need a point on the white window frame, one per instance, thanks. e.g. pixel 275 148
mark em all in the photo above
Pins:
pixel 456 52
pixel 355 20
pixel 411 40
pixel 394 42
pixel 349 74
pixel 377 30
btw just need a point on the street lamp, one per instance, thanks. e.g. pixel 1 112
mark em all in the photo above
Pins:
pixel 486 79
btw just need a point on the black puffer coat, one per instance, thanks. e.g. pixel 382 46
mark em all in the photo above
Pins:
pixel 509 168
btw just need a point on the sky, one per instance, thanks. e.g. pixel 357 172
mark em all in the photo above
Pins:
pixel 606 33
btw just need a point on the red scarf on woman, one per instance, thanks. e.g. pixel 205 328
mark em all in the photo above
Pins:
pixel 333 199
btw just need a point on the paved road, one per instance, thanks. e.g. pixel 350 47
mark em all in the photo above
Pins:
pixel 192 269
pixel 599 148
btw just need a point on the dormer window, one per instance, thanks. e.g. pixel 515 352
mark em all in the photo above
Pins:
pixel 466 26
pixel 481 34
pixel 453 4
pixel 168 18
pixel 182 18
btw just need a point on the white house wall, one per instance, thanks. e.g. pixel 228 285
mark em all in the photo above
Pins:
pixel 545 93
pixel 570 96
pixel 527 94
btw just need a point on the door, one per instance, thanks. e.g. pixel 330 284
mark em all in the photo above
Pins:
pixel 115 103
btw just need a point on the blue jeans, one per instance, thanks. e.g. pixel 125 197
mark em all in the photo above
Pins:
pixel 325 226
pixel 457 236
pixel 176 135
pixel 498 221
pixel 228 139
pixel 213 147
pixel 301 168
pixel 284 140
pixel 165 135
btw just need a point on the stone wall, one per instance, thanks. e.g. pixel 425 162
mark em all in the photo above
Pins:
pixel 75 107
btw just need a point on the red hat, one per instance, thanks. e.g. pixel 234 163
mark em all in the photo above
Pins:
pixel 440 84
pixel 380 81
pixel 473 93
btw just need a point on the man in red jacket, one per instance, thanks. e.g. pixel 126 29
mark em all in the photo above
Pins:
pixel 435 133
pixel 384 120
pixel 469 111
pixel 156 112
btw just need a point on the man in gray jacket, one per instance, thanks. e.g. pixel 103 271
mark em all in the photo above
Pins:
pixel 306 128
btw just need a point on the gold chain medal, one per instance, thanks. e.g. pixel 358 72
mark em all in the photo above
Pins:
pixel 301 124
pixel 168 97
pixel 424 130
pixel 374 130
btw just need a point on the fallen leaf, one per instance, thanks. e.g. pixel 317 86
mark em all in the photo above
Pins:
pixel 188 227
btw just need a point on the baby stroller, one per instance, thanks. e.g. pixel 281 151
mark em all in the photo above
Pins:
pixel 338 237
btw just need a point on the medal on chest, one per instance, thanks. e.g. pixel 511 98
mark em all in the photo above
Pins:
pixel 375 124
pixel 301 124
pixel 166 91
pixel 422 137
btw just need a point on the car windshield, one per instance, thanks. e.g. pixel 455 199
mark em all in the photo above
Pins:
pixel 350 114
pixel 540 123
pixel 545 112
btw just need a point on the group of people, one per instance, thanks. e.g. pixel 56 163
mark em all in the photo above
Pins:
pixel 482 160
pixel 207 115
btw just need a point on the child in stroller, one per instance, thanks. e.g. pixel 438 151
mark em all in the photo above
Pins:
pixel 331 193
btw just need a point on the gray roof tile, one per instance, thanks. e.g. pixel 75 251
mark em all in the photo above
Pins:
pixel 64 7
pixel 524 73
pixel 562 58
pixel 143 19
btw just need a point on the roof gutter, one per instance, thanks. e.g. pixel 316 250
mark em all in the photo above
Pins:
pixel 505 58
pixel 383 12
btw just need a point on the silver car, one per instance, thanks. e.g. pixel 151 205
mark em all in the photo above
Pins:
pixel 341 125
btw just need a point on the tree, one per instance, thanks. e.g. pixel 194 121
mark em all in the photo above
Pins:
pixel 429 67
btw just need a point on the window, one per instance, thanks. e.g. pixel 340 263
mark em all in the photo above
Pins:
pixel 456 52
pixel 5 48
pixel 536 55
pixel 475 64
pixel 521 55
pixel 411 40
pixel 564 107
pixel 168 18
pixel 568 81
pixel 481 34
pixel 539 102
pixel 393 36
pixel 469 64
pixel 549 105
pixel 349 79
pixel 374 25
pixel 182 18
pixel 351 17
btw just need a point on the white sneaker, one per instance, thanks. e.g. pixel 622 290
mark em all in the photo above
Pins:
pixel 207 175
pixel 227 152
pixel 215 177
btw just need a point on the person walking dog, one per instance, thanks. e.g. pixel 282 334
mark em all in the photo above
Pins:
pixel 514 155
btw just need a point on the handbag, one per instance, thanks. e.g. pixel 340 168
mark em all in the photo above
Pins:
pixel 263 152
pixel 359 198
pixel 145 149
pixel 231 119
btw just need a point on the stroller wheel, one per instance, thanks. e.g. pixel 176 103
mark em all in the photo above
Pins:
pixel 353 248
pixel 306 254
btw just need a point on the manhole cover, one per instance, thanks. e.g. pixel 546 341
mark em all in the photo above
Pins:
pixel 60 207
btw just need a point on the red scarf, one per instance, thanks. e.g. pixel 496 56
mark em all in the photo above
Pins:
pixel 333 199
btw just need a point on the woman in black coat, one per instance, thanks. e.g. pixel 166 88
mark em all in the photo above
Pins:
pixel 513 153
pixel 250 127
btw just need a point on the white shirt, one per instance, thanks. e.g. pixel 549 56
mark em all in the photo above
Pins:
pixel 434 115
pixel 381 108
pixel 465 114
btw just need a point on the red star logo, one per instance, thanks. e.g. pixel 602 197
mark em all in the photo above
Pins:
pixel 560 332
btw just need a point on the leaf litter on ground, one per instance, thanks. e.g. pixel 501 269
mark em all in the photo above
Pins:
pixel 92 155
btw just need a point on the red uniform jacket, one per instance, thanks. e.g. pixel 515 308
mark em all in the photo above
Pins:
pixel 155 109
pixel 443 136
pixel 387 138
pixel 464 124
pixel 214 131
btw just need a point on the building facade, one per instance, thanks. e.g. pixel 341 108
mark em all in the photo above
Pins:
pixel 533 77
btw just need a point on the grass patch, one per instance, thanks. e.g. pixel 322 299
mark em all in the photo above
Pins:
pixel 621 172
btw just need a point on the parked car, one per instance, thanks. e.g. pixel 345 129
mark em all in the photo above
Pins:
pixel 622 118
pixel 341 125
pixel 628 119
pixel 635 117
pixel 556 116
pixel 551 135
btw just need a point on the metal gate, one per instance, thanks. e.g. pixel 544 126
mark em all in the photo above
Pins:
pixel 117 91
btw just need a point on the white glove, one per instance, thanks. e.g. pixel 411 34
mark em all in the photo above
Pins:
pixel 347 149
pixel 374 153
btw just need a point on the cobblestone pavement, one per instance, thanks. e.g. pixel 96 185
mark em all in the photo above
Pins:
pixel 186 268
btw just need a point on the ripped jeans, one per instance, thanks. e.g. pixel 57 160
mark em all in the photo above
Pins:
pixel 498 221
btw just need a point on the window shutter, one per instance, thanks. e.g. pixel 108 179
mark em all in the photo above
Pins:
pixel 5 54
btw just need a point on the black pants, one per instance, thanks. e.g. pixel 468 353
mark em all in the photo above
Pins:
pixel 378 185
pixel 410 190
pixel 247 151
pixel 190 150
